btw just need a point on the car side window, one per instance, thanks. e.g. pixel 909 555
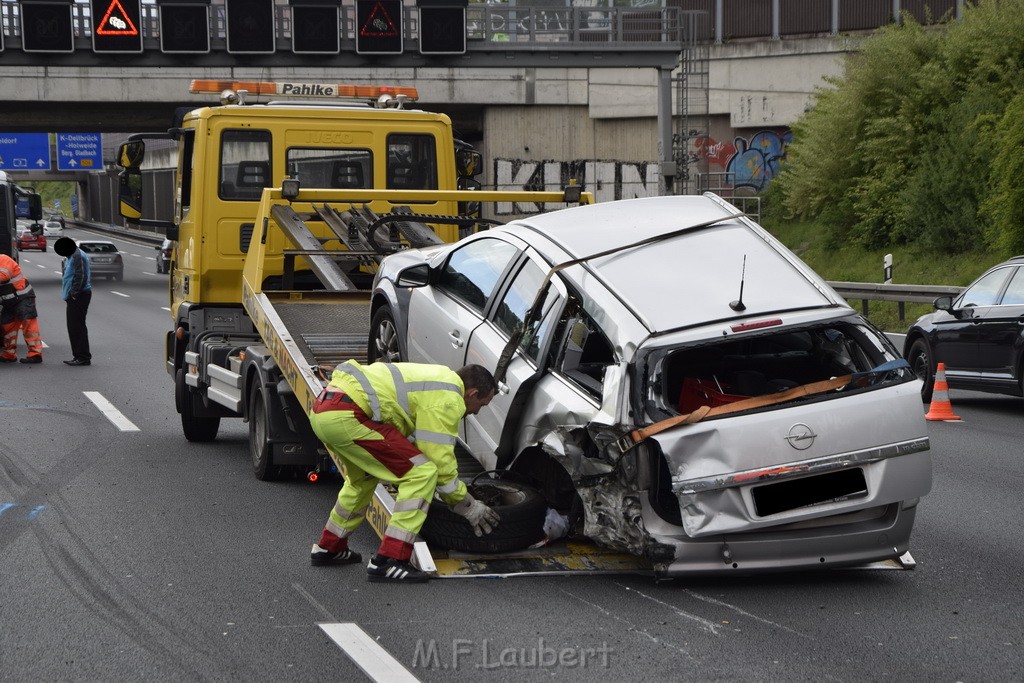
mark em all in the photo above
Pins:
pixel 1015 290
pixel 511 312
pixel 585 354
pixel 472 272
pixel 985 291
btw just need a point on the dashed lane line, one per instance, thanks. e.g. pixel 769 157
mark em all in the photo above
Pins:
pixel 126 296
pixel 368 655
pixel 110 412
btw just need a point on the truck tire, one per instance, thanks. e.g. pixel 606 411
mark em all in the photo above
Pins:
pixel 384 345
pixel 920 359
pixel 195 428
pixel 521 511
pixel 260 450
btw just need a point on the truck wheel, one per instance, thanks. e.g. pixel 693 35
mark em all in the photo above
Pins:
pixel 384 345
pixel 920 359
pixel 259 444
pixel 197 429
pixel 521 509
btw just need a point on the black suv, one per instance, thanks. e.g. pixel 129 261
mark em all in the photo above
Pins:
pixel 979 335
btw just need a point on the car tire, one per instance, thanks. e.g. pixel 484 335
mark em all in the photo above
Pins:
pixel 521 511
pixel 196 429
pixel 260 449
pixel 384 345
pixel 920 359
pixel 119 278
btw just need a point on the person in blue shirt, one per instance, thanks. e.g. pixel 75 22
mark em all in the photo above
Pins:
pixel 77 292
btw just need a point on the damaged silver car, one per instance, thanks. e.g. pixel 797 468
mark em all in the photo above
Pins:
pixel 674 378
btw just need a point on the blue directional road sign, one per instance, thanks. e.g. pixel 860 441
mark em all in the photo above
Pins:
pixel 79 152
pixel 24 151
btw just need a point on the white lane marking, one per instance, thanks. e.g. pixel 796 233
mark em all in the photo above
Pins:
pixel 110 412
pixel 630 626
pixel 149 273
pixel 743 612
pixel 126 296
pixel 150 258
pixel 369 656
pixel 40 265
pixel 709 626
pixel 58 272
pixel 164 308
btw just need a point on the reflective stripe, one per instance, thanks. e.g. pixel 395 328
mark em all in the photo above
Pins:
pixel 401 391
pixel 26 290
pixel 450 487
pixel 338 531
pixel 434 437
pixel 345 514
pixel 418 460
pixel 411 505
pixel 400 534
pixel 433 386
pixel 371 395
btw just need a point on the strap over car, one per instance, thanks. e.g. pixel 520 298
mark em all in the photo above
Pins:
pixel 635 436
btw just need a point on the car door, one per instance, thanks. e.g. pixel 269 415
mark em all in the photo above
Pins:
pixel 443 315
pixel 1000 330
pixel 957 335
pixel 483 432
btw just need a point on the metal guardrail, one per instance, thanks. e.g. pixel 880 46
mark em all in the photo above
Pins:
pixel 902 294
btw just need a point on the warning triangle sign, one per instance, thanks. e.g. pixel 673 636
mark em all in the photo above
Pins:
pixel 116 22
pixel 378 24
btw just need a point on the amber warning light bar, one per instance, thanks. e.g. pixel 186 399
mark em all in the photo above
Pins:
pixel 288 89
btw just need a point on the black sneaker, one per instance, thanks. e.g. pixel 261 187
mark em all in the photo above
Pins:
pixel 319 557
pixel 382 569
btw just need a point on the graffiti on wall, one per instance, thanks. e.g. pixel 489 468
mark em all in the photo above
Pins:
pixel 748 162
pixel 608 180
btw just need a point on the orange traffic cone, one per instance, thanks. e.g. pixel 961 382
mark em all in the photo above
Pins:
pixel 941 408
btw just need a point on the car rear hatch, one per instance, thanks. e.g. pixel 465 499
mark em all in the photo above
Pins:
pixel 825 454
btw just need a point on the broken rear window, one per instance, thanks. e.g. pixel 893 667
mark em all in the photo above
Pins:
pixel 718 374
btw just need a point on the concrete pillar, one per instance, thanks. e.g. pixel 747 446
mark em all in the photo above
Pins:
pixel 666 167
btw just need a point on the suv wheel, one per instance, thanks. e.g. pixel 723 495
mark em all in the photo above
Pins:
pixel 920 359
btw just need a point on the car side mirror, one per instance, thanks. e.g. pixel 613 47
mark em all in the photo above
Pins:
pixel 414 276
pixel 944 303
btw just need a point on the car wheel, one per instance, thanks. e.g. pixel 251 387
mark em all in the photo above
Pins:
pixel 119 277
pixel 259 439
pixel 920 359
pixel 384 344
pixel 195 428
pixel 521 511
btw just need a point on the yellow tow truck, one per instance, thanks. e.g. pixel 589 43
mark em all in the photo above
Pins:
pixel 282 212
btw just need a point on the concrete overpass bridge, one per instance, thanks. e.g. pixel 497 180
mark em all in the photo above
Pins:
pixel 639 100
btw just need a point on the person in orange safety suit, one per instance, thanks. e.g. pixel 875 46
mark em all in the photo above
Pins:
pixel 398 423
pixel 19 313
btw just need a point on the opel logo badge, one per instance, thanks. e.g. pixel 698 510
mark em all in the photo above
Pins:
pixel 801 436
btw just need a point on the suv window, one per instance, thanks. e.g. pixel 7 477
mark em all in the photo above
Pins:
pixel 94 248
pixel 1015 291
pixel 245 167
pixel 472 272
pixel 985 291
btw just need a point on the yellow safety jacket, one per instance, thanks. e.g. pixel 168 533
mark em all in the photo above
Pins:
pixel 424 402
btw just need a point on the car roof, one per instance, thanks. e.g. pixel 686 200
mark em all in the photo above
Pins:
pixel 685 280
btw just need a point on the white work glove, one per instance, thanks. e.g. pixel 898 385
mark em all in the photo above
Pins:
pixel 482 518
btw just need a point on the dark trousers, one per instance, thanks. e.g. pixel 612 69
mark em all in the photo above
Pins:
pixel 78 307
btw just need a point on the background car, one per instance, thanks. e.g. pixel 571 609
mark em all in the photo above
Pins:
pixel 978 335
pixel 53 228
pixel 104 259
pixel 163 261
pixel 28 240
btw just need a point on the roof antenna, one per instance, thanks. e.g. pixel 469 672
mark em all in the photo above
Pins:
pixel 738 305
